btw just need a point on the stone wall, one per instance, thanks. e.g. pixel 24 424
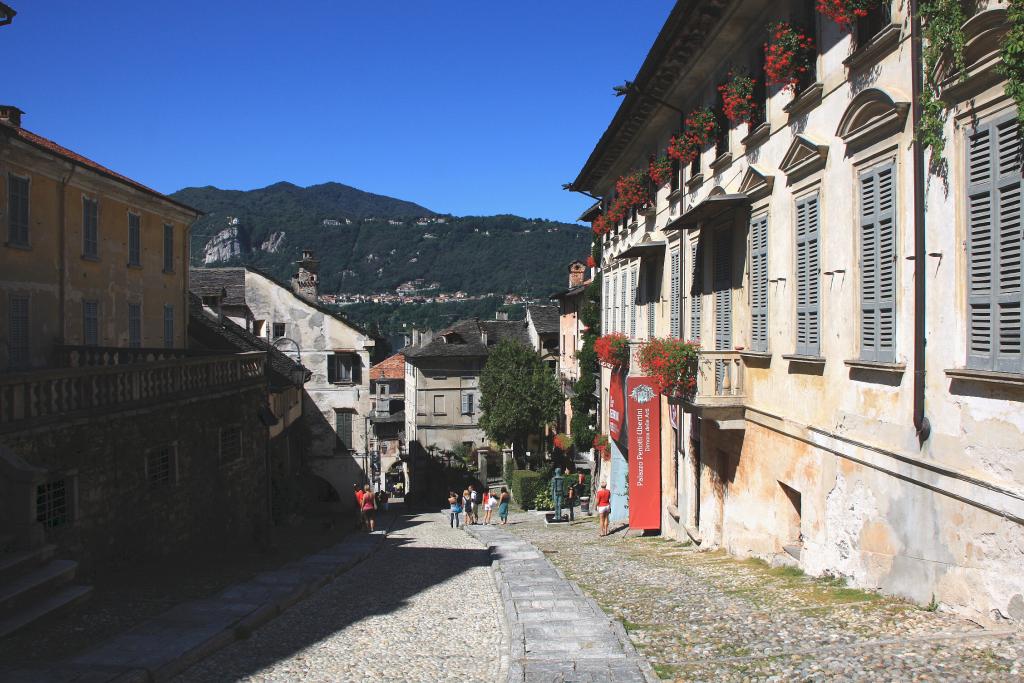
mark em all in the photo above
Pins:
pixel 119 516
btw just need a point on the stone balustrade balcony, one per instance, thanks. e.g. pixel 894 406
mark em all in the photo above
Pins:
pixel 104 381
pixel 720 392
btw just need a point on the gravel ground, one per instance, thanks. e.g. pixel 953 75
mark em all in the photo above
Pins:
pixel 423 608
pixel 708 617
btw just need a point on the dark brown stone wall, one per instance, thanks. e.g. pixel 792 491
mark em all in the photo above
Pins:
pixel 119 516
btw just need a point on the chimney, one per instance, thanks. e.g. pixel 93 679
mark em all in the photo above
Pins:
pixel 11 115
pixel 577 273
pixel 306 283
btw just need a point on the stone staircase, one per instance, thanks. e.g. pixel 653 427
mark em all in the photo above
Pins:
pixel 34 585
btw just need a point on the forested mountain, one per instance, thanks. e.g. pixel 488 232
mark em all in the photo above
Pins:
pixel 372 243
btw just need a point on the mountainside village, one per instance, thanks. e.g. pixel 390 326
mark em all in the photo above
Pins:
pixel 784 344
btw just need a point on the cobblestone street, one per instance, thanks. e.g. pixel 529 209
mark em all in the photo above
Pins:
pixel 708 617
pixel 423 608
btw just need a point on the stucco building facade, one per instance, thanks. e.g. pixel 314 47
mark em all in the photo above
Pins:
pixel 812 253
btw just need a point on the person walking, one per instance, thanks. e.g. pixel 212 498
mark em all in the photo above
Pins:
pixel 369 508
pixel 455 508
pixel 570 500
pixel 359 505
pixel 467 506
pixel 503 505
pixel 604 508
pixel 488 506
pixel 474 501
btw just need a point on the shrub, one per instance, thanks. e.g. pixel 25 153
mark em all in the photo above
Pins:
pixel 525 484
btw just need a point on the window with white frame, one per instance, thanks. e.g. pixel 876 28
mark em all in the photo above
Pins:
pixel 168 248
pixel 995 242
pixel 90 228
pixel 90 323
pixel 168 326
pixel 467 403
pixel 696 290
pixel 134 325
pixel 18 346
pixel 17 210
pixel 878 265
pixel 134 239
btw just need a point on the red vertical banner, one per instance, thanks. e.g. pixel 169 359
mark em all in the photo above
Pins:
pixel 644 426
pixel 616 406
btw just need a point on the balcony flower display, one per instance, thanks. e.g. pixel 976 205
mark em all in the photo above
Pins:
pixel 660 170
pixel 601 225
pixel 845 12
pixel 634 190
pixel 602 445
pixel 612 350
pixel 563 441
pixel 591 263
pixel 787 55
pixel 672 363
pixel 738 98
pixel 699 130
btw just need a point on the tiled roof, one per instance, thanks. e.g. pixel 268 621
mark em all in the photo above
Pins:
pixel 389 368
pixel 50 146
pixel 229 336
pixel 212 281
pixel 464 339
pixel 545 319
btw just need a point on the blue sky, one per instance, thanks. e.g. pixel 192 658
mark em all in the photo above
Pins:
pixel 464 107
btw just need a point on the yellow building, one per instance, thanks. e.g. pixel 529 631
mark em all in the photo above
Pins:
pixel 89 257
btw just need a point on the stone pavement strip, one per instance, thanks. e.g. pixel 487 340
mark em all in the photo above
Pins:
pixel 706 616
pixel 558 634
pixel 162 647
pixel 424 608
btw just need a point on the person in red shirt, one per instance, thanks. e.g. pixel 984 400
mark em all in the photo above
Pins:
pixel 359 506
pixel 604 508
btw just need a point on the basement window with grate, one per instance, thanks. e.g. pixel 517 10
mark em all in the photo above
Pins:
pixel 161 467
pixel 230 444
pixel 53 504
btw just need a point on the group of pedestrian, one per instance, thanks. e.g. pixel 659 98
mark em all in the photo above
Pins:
pixel 367 503
pixel 468 504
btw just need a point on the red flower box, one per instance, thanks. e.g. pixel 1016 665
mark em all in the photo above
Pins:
pixel 787 55
pixel 846 12
pixel 738 98
pixel 612 349
pixel 672 363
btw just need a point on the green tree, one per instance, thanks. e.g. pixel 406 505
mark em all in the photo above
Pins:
pixel 519 395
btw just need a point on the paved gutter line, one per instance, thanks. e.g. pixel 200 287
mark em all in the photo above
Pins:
pixel 515 661
pixel 99 664
pixel 938 637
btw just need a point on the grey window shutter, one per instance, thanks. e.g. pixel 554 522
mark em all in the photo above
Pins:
pixel 807 278
pixel 632 303
pixel 696 290
pixel 994 247
pixel 1010 295
pixel 878 265
pixel 332 368
pixel 652 301
pixel 722 277
pixel 759 283
pixel 674 330
pixel 606 319
pixel 465 404
pixel 343 425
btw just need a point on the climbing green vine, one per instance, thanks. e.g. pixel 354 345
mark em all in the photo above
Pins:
pixel 1012 50
pixel 584 399
pixel 943 22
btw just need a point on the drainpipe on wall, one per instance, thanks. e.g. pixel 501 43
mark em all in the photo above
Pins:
pixel 921 424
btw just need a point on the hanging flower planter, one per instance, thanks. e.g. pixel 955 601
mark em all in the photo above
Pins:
pixel 699 130
pixel 660 170
pixel 601 225
pixel 846 12
pixel 738 98
pixel 672 363
pixel 682 149
pixel 591 263
pixel 602 445
pixel 563 441
pixel 634 190
pixel 612 350
pixel 787 55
